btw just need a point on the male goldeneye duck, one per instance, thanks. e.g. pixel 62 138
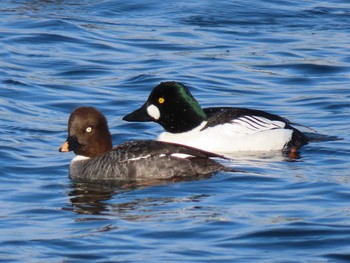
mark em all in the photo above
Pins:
pixel 216 129
pixel 89 138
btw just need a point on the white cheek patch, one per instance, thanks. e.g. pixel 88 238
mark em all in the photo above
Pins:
pixel 153 111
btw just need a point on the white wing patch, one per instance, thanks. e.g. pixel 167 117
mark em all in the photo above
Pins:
pixel 139 158
pixel 253 124
pixel 177 155
pixel 181 155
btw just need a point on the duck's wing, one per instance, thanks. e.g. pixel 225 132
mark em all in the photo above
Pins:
pixel 138 149
pixel 244 121
pixel 225 114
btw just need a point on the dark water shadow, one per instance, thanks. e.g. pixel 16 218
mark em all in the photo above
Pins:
pixel 95 199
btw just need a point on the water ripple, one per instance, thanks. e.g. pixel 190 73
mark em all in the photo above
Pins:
pixel 288 58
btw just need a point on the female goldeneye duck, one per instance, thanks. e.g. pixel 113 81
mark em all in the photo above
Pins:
pixel 216 129
pixel 89 138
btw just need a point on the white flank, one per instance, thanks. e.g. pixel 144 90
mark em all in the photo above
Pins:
pixel 153 111
pixel 248 133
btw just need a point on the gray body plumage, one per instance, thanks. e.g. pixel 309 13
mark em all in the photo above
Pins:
pixel 140 160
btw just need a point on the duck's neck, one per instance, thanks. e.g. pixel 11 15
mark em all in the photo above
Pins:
pixel 183 120
pixel 101 145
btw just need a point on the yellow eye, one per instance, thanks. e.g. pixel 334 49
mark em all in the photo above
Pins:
pixel 161 100
pixel 88 129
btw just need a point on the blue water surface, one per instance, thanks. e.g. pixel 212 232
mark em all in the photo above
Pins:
pixel 290 58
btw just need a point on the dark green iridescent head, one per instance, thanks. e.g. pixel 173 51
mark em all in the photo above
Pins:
pixel 171 105
pixel 186 95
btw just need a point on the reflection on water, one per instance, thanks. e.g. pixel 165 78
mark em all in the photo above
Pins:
pixel 93 200
pixel 90 199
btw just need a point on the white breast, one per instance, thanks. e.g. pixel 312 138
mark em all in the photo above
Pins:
pixel 79 158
